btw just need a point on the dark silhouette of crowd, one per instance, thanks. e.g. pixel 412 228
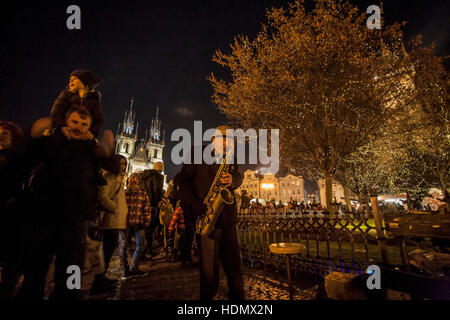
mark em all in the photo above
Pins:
pixel 273 206
pixel 63 193
pixel 65 200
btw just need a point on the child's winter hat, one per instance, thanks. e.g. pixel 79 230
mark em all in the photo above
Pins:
pixel 87 77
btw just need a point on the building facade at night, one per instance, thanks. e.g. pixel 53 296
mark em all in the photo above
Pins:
pixel 141 152
pixel 287 188
pixel 270 186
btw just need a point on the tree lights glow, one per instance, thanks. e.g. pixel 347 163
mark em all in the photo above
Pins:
pixel 330 84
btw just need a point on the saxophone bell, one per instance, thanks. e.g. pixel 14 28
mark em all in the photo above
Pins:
pixel 225 197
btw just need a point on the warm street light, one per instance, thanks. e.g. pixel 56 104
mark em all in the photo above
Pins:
pixel 312 196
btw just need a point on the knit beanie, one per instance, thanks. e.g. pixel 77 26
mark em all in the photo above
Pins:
pixel 87 77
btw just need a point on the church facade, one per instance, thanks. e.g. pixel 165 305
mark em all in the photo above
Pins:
pixel 140 152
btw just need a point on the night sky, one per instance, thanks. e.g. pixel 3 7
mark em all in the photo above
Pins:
pixel 158 52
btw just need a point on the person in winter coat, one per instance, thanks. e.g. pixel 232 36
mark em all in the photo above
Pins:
pixel 81 92
pixel 245 201
pixel 138 218
pixel 177 225
pixel 113 218
pixel 153 182
pixel 12 175
pixel 221 247
pixel 62 204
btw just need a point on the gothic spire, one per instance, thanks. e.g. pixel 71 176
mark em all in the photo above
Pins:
pixel 155 129
pixel 118 129
pixel 128 121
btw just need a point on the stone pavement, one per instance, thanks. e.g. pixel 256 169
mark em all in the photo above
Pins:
pixel 168 281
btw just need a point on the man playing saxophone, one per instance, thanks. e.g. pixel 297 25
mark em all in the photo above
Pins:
pixel 221 245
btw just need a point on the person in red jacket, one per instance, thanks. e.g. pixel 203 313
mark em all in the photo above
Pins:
pixel 177 225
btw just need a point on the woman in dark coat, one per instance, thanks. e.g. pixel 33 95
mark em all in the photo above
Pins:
pixel 12 173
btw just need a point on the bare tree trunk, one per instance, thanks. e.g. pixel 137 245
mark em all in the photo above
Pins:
pixel 443 185
pixel 347 198
pixel 359 209
pixel 368 207
pixel 329 193
pixel 408 201
pixel 366 201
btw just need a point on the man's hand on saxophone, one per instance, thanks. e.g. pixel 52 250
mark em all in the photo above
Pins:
pixel 227 180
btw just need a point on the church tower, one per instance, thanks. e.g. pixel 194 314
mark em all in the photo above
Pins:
pixel 141 153
pixel 126 136
pixel 155 144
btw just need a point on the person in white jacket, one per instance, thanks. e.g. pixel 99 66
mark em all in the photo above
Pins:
pixel 114 218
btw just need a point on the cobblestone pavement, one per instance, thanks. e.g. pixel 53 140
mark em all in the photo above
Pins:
pixel 168 281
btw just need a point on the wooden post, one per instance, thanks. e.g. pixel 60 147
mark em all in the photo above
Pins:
pixel 379 225
pixel 404 253
pixel 291 289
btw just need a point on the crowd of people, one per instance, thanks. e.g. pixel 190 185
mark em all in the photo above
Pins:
pixel 62 188
pixel 248 204
pixel 50 178
pixel 255 206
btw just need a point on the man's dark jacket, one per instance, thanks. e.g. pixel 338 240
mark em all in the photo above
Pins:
pixel 195 182
pixel 153 183
pixel 66 184
pixel 12 175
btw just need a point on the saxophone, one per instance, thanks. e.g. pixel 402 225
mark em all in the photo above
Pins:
pixel 216 198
